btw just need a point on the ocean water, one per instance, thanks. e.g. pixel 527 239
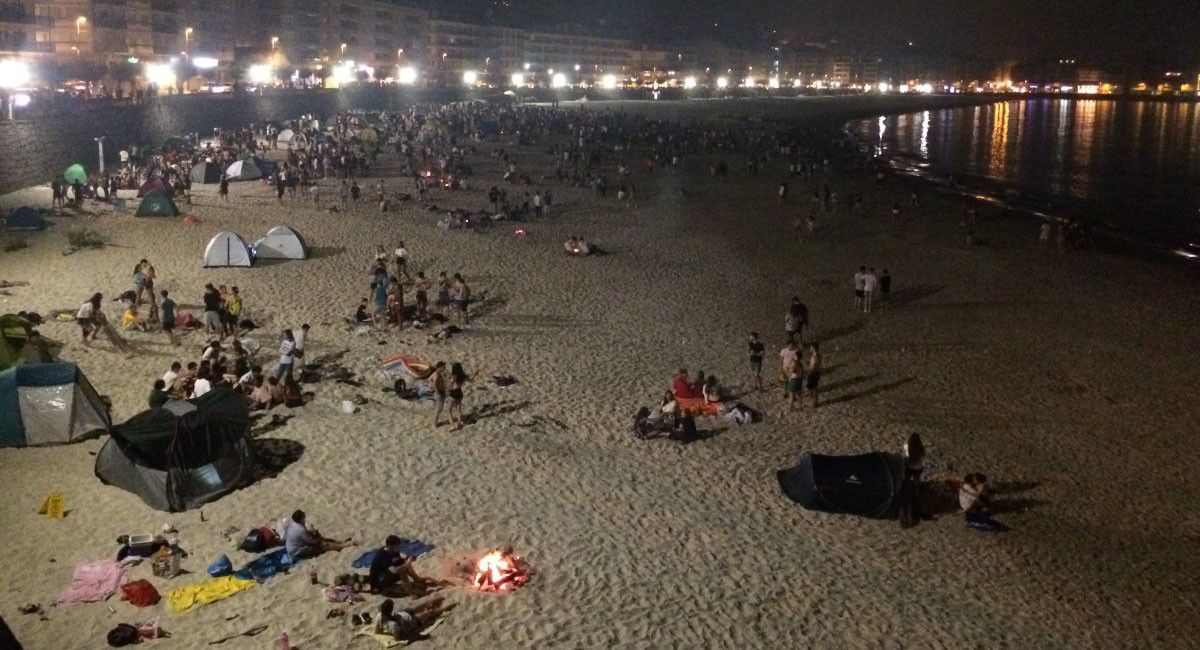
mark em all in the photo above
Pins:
pixel 1131 166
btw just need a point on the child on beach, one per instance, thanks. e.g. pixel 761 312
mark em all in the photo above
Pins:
pixel 89 318
pixel 812 380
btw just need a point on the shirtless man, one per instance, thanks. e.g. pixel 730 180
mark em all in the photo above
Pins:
pixel 437 381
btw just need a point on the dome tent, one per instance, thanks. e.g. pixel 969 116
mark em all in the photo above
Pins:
pixel 205 173
pixel 183 454
pixel 228 249
pixel 243 170
pixel 47 404
pixel 157 204
pixel 25 218
pixel 155 184
pixel 866 485
pixel 282 243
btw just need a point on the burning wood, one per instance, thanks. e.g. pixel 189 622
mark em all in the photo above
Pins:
pixel 500 570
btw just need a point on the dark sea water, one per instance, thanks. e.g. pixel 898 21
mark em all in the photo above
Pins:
pixel 1133 166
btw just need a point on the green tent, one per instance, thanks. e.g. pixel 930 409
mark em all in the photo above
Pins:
pixel 75 173
pixel 157 204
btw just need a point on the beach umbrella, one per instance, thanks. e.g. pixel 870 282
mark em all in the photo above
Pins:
pixel 75 173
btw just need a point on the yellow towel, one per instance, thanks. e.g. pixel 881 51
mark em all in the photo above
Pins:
pixel 386 640
pixel 202 593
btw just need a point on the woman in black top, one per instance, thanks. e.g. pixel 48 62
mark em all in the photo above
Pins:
pixel 458 378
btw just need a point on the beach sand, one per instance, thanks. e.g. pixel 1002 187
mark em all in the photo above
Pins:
pixel 1069 379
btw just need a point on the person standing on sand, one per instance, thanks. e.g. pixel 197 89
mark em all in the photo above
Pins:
pixel 233 311
pixel 859 281
pixel 345 195
pixel 287 356
pixel 437 381
pixel 795 384
pixel 1044 235
pixel 168 317
pixel 299 338
pixel 782 192
pixel 458 379
pixel 787 359
pixel 223 188
pixel 756 360
pixel 462 298
pixel 812 380
pixel 421 287
pixel 913 454
pixel 212 309
pixel 401 255
pixel 870 284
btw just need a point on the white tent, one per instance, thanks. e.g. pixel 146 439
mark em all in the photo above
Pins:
pixel 228 249
pixel 281 243
pixel 243 170
pixel 286 135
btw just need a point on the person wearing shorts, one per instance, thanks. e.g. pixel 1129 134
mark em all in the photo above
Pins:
pixel 795 384
pixel 812 382
pixel 756 360
pixel 212 309
pixel 860 281
pixel 88 317
pixel 421 285
pixel 443 292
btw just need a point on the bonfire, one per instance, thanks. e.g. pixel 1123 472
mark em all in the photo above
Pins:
pixel 500 570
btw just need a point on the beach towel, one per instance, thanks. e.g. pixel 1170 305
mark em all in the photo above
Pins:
pixel 93 582
pixel 387 640
pixel 410 547
pixel 202 593
pixel 697 406
pixel 266 566
pixel 412 367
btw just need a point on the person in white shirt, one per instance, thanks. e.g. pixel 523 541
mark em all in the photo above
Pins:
pixel 89 318
pixel 287 355
pixel 171 375
pixel 859 281
pixel 300 337
pixel 202 385
pixel 212 352
pixel 870 284
pixel 401 255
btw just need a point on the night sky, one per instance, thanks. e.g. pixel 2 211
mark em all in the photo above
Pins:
pixel 1113 33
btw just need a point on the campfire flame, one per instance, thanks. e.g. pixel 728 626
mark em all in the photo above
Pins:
pixel 499 570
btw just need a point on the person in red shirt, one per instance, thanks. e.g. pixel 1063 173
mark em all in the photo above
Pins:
pixel 681 386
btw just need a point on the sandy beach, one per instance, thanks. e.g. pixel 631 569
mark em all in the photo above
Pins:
pixel 1068 378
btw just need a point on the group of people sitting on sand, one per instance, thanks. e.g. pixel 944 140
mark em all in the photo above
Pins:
pixel 391 574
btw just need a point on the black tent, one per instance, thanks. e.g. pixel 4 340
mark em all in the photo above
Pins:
pixel 182 455
pixel 205 173
pixel 866 485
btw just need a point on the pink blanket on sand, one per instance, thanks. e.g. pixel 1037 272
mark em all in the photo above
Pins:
pixel 93 582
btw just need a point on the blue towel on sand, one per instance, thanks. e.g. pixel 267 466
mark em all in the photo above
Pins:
pixel 266 566
pixel 410 547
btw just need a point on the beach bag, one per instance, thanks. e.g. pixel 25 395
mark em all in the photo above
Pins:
pixel 140 593
pixel 122 635
pixel 222 567
pixel 253 542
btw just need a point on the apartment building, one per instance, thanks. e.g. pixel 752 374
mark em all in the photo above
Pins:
pixel 107 30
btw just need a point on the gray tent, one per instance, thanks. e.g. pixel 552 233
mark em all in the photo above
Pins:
pixel 184 454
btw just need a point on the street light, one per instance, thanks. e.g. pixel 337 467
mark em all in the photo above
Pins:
pixel 274 42
pixel 79 23
pixel 13 75
pixel 100 145
pixel 187 37
pixel 343 49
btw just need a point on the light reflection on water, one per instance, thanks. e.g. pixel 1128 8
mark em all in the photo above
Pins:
pixel 1133 163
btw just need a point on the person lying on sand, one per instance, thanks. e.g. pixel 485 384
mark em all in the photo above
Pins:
pixel 130 320
pixel 408 623
pixel 392 572
pixel 304 543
